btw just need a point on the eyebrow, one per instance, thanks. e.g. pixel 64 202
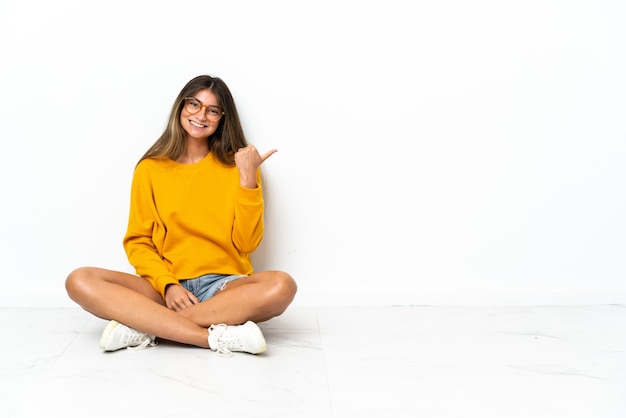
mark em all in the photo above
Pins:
pixel 206 105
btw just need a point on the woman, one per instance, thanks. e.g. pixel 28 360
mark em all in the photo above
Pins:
pixel 196 215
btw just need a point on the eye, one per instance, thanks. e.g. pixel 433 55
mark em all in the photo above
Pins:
pixel 193 103
pixel 214 111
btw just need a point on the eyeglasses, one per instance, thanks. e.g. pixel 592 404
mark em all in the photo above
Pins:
pixel 193 106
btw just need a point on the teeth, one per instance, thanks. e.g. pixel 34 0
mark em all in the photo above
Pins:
pixel 197 125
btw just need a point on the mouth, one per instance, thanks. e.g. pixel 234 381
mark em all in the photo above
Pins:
pixel 196 124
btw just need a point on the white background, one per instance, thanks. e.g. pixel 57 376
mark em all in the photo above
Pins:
pixel 430 152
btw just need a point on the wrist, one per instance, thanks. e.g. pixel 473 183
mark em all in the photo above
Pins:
pixel 167 286
pixel 248 182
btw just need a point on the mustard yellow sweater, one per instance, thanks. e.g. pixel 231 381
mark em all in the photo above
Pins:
pixel 187 220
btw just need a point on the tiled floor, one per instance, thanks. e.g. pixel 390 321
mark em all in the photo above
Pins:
pixel 419 361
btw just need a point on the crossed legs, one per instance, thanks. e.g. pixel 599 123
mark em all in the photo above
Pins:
pixel 132 301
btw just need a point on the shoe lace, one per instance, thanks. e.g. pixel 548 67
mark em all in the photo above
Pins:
pixel 146 340
pixel 224 341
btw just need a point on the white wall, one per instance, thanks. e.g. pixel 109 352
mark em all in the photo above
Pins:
pixel 429 151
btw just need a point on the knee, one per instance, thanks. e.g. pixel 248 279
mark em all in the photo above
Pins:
pixel 77 282
pixel 284 287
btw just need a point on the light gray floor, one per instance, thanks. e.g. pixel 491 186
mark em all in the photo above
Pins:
pixel 330 362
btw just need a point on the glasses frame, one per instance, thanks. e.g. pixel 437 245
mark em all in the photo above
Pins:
pixel 207 107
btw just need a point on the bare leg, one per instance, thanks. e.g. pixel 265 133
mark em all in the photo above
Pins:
pixel 133 302
pixel 256 298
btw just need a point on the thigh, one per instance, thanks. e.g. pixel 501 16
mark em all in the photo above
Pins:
pixel 270 283
pixel 134 282
pixel 91 276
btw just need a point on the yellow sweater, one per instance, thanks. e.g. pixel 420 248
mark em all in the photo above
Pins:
pixel 187 220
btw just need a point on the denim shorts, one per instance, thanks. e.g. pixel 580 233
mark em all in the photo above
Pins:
pixel 205 287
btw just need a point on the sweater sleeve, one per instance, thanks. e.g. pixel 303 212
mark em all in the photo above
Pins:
pixel 248 227
pixel 146 233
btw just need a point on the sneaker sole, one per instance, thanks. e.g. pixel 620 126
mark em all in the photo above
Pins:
pixel 262 346
pixel 106 333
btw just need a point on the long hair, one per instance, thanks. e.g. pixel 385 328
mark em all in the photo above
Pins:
pixel 224 142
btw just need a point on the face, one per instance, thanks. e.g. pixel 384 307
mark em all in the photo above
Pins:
pixel 197 125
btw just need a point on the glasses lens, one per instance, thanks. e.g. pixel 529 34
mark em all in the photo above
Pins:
pixel 213 113
pixel 192 105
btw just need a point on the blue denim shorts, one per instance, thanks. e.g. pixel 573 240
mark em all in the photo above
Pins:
pixel 205 287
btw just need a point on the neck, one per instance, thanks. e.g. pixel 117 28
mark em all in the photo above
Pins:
pixel 194 151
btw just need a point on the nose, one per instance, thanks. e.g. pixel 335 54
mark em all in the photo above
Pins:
pixel 202 114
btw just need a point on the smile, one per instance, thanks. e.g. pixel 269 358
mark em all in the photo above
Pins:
pixel 197 125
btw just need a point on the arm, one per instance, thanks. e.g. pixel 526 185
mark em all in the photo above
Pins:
pixel 145 234
pixel 248 226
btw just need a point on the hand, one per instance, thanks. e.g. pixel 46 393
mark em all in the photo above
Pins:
pixel 248 160
pixel 178 298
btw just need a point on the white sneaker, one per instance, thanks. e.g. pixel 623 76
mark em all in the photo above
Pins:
pixel 116 336
pixel 228 338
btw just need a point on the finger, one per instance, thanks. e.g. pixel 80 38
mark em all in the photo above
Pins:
pixel 192 298
pixel 240 152
pixel 181 304
pixel 267 154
